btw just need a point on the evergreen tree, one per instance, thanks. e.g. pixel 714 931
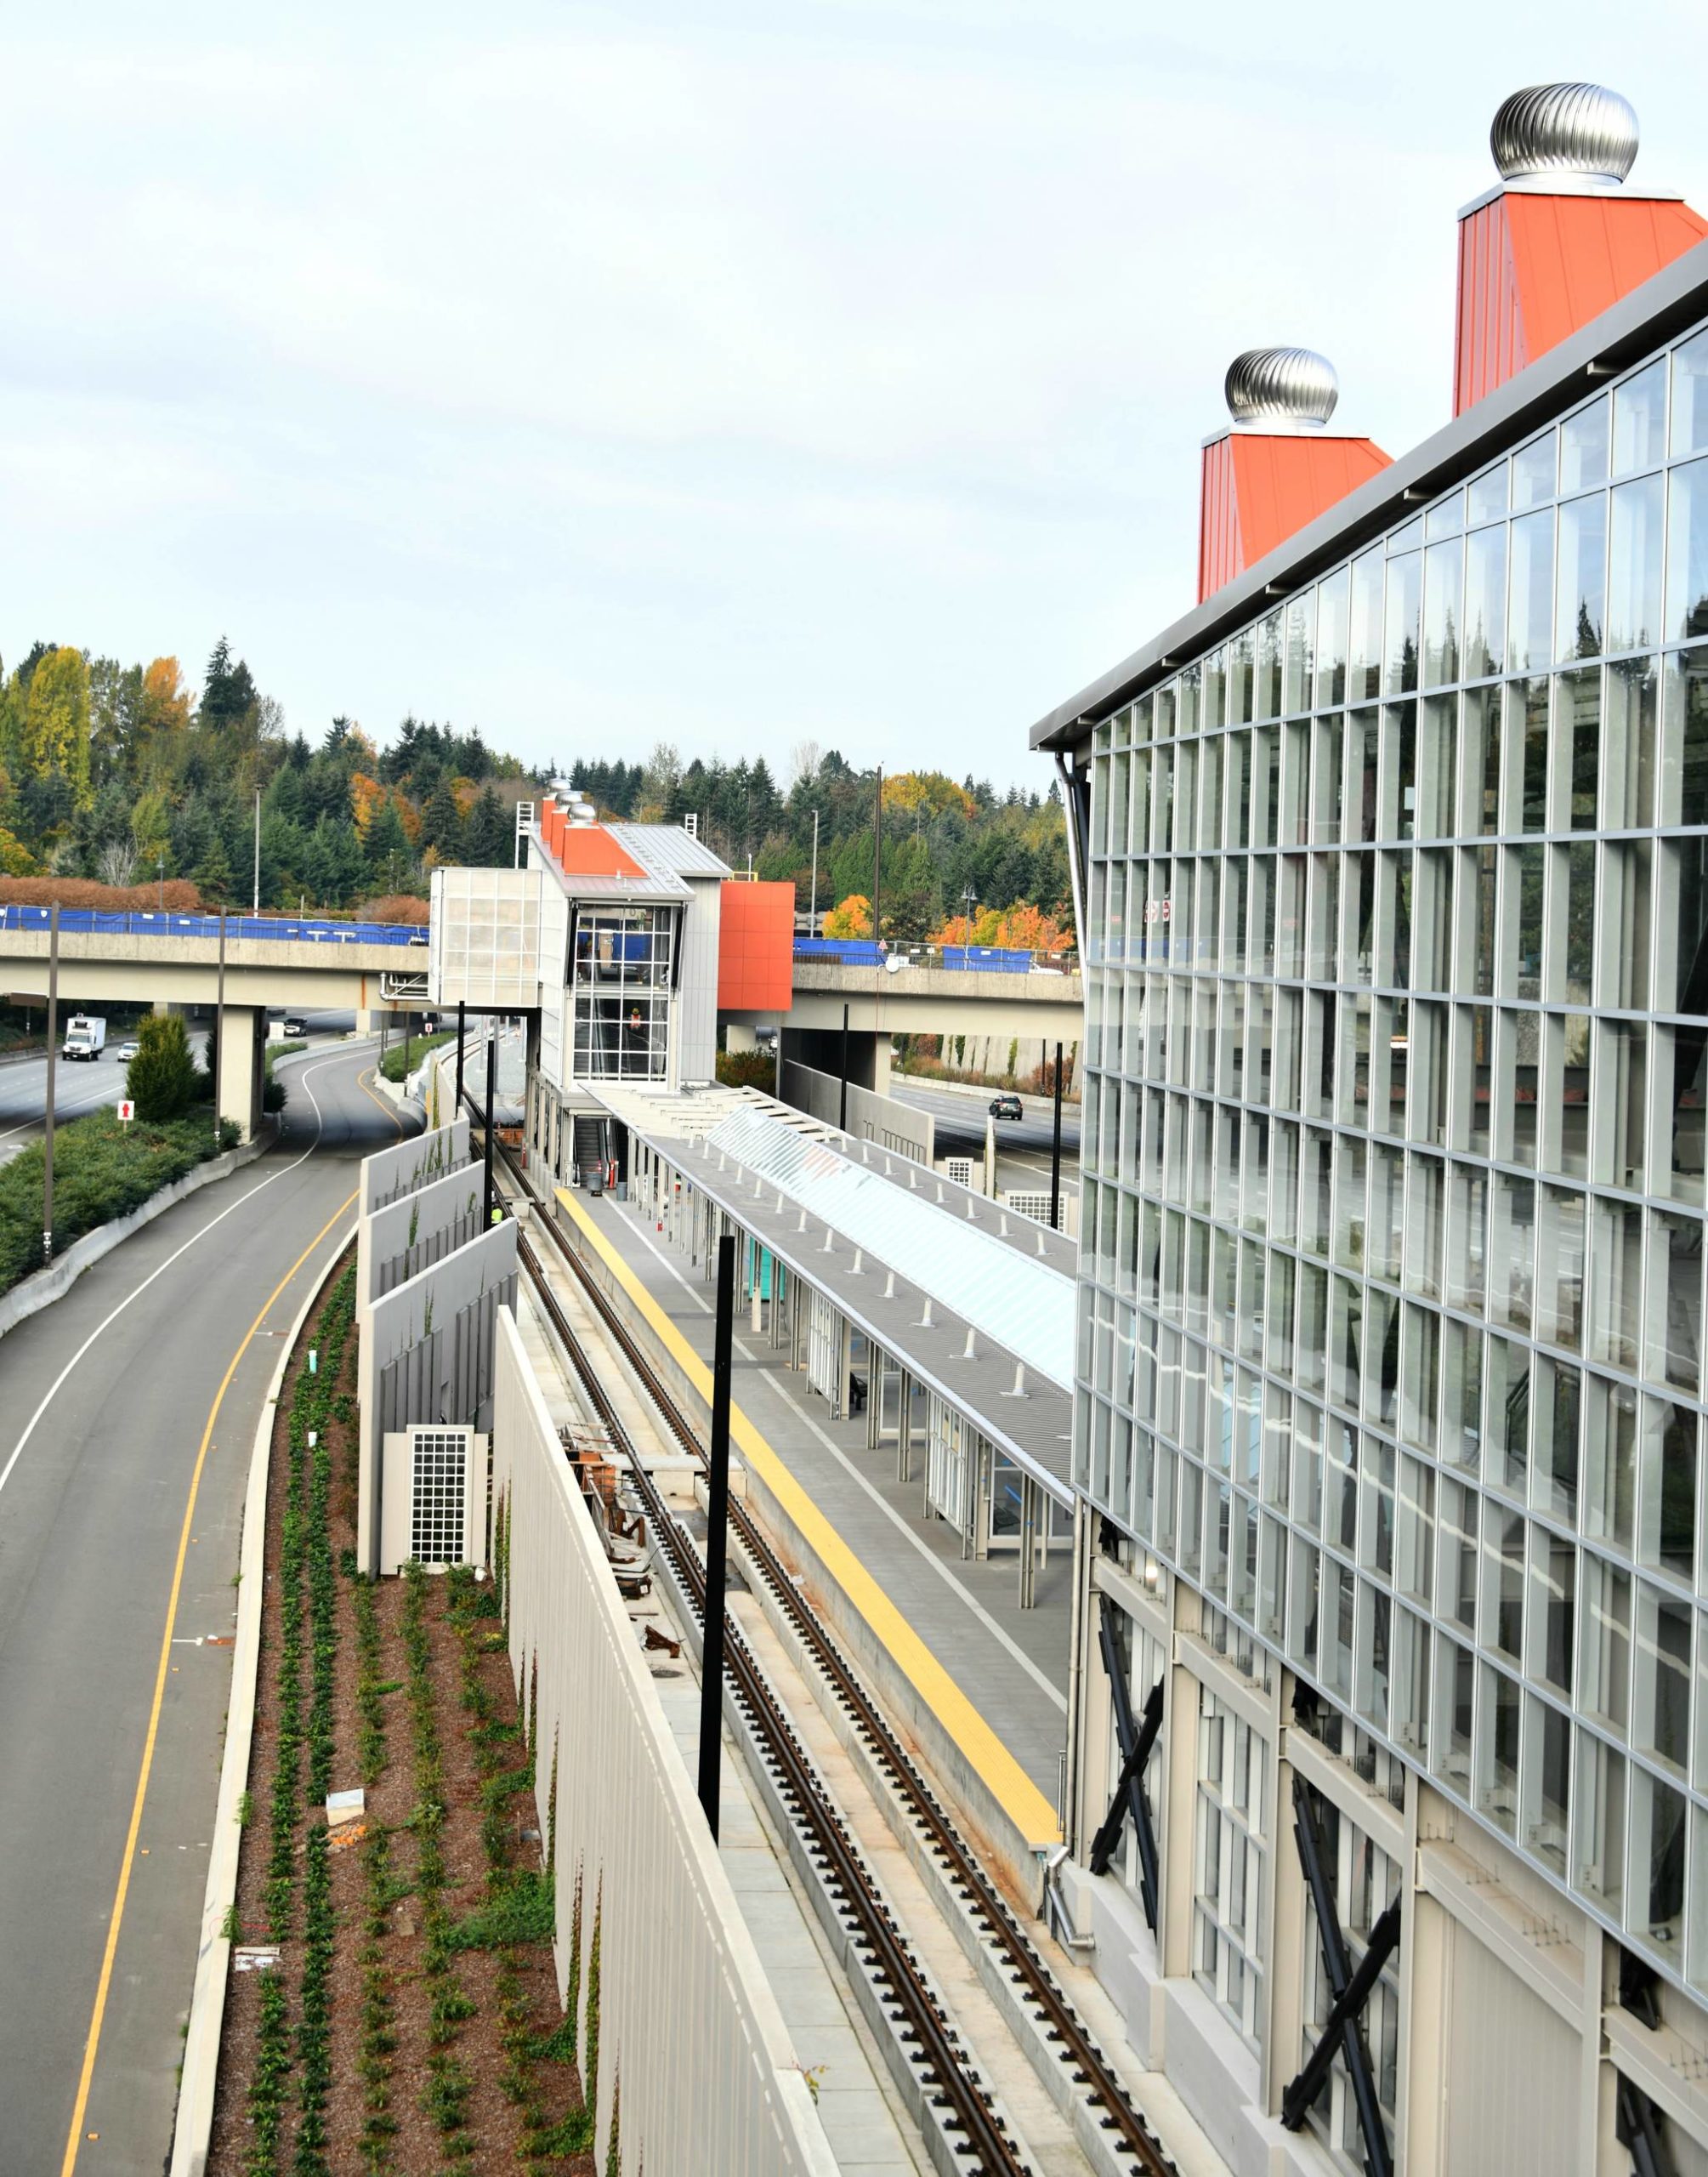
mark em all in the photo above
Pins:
pixel 441 823
pixel 160 1079
pixel 390 859
pixel 490 841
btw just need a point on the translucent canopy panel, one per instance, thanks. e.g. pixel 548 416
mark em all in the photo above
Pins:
pixel 1012 1298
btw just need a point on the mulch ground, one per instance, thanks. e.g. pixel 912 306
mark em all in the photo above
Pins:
pixel 513 1990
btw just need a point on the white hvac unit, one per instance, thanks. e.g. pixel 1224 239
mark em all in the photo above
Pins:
pixel 434 1498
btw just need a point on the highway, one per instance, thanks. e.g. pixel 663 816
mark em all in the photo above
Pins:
pixel 131 1409
pixel 1023 1145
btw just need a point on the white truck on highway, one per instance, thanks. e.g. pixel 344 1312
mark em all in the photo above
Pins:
pixel 86 1037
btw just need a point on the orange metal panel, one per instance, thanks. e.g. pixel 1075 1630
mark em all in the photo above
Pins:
pixel 756 947
pixel 1533 269
pixel 589 851
pixel 1280 484
pixel 1219 558
pixel 1574 257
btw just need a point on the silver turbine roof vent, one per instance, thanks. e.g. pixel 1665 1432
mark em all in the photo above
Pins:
pixel 1565 128
pixel 1281 385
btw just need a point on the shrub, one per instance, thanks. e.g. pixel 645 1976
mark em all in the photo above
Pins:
pixel 748 1070
pixel 160 1079
pixel 101 1170
pixel 402 1059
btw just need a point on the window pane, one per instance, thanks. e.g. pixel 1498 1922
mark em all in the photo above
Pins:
pixel 1530 615
pixel 1533 472
pixel 1583 577
pixel 1690 396
pixel 1687 563
pixel 1633 603
pixel 1443 571
pixel 1485 602
pixel 1639 420
pixel 1583 447
pixel 1599 1823
pixel 1405 581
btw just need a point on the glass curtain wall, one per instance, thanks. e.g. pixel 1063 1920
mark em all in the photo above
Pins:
pixel 1397 964
pixel 623 974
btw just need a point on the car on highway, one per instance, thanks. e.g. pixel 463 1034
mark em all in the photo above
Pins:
pixel 1007 1107
pixel 127 1051
pixel 294 1027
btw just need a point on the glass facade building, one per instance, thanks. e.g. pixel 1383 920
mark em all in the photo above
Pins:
pixel 1390 1346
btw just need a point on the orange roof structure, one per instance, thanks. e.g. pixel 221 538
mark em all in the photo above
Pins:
pixel 1534 267
pixel 1261 488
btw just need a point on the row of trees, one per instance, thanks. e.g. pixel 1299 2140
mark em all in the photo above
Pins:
pixel 125 775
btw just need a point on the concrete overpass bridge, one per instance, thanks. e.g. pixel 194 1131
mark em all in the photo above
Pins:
pixel 272 965
pixel 1031 1006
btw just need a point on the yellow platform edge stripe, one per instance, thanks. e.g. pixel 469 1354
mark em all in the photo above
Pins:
pixel 1019 1798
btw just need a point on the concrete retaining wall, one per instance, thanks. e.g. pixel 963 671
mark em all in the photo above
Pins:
pixel 687 2024
pixel 871 1117
pixel 43 1286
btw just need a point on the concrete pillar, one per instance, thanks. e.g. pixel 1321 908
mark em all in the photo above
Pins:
pixel 242 1052
pixel 364 1020
pixel 880 1065
pixel 737 1036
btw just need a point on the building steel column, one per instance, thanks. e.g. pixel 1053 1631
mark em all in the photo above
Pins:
pixel 716 1539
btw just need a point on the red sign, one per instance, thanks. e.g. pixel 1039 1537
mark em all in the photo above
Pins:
pixel 127 1112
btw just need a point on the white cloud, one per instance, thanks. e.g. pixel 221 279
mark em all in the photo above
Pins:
pixel 745 371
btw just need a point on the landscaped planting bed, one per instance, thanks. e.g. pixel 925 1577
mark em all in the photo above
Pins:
pixel 411 2023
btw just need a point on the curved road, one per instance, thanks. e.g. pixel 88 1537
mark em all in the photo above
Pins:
pixel 129 1411
pixel 1024 1143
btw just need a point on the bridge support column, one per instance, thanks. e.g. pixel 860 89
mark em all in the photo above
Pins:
pixel 242 1031
pixel 737 1036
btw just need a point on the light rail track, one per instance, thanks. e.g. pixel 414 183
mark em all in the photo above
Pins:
pixel 978 2129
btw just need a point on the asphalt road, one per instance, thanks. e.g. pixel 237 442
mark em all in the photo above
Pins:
pixel 79 1086
pixel 1023 1145
pixel 108 1398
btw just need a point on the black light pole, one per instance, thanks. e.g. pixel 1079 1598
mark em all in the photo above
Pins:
pixel 491 1076
pixel 716 1539
pixel 843 1121
pixel 457 1113
pixel 219 1029
pixel 1056 1153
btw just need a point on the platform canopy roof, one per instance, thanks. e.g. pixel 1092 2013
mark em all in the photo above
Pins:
pixel 1020 1302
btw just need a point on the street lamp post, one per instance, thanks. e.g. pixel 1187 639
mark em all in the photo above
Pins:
pixel 160 870
pixel 814 916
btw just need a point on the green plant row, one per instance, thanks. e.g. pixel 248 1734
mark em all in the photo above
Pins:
pixel 101 1170
pixel 307 1619
pixel 402 1059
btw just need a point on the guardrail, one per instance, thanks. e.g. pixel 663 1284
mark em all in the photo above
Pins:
pixel 976 959
pixel 304 930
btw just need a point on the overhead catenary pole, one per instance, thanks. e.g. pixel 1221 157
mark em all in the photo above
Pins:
pixel 877 860
pixel 458 1110
pixel 717 1538
pixel 53 1039
pixel 842 1122
pixel 491 1076
pixel 1056 1153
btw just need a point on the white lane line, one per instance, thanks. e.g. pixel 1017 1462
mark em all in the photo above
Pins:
pixel 896 1519
pixel 65 1374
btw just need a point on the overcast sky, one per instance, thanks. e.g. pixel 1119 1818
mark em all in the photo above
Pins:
pixel 734 372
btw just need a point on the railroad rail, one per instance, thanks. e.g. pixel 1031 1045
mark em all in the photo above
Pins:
pixel 885 1948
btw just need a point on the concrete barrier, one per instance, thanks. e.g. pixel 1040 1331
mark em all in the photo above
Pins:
pixel 43 1286
pixel 192 2125
pixel 901 1128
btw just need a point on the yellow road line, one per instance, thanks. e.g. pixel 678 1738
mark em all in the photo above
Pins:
pixel 989 1757
pixel 90 2047
pixel 389 1109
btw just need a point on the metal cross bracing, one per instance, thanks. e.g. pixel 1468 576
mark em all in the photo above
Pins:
pixel 1136 1744
pixel 1124 2126
pixel 1636 2121
pixel 1342 2032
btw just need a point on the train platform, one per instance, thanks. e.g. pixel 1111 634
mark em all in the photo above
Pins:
pixel 979 1683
